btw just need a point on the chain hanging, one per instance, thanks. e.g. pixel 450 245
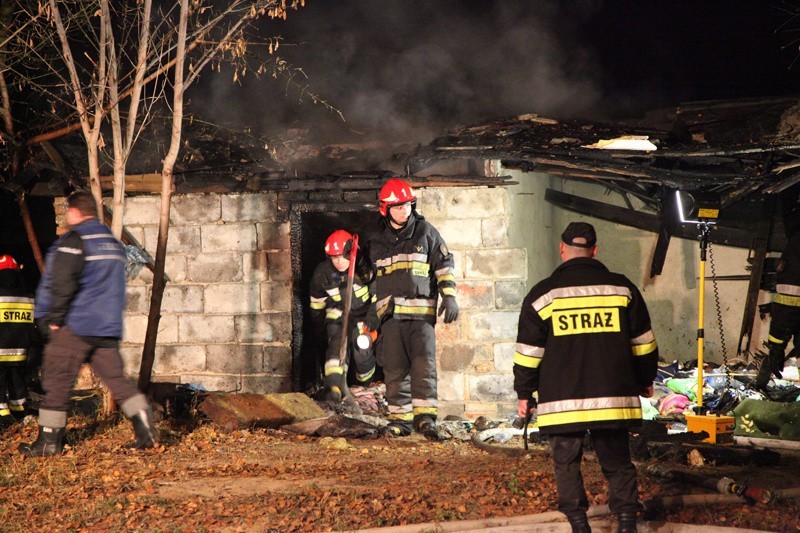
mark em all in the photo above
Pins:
pixel 719 316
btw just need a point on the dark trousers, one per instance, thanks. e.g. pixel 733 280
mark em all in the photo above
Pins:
pixel 407 354
pixel 614 454
pixel 63 357
pixel 12 380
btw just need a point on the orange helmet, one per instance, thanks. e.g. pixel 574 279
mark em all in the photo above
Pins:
pixel 338 243
pixel 395 192
pixel 6 261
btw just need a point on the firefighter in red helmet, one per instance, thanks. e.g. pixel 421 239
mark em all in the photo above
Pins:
pixel 414 267
pixel 16 337
pixel 328 287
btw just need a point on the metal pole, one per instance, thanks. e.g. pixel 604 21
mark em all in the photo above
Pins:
pixel 700 314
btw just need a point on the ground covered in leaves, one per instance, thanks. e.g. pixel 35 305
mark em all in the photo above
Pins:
pixel 202 480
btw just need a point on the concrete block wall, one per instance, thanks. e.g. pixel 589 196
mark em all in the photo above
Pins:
pixel 226 313
pixel 475 353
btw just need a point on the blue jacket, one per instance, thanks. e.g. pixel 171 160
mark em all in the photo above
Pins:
pixel 84 282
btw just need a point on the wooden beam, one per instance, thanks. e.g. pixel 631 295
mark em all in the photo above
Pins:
pixel 134 183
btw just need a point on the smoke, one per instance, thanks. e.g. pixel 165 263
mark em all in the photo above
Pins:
pixel 407 71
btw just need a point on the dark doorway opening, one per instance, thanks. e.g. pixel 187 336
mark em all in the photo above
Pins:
pixel 14 238
pixel 311 225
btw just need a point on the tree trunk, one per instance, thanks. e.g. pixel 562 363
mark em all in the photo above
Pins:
pixel 167 186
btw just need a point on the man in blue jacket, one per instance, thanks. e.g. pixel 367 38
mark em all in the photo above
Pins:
pixel 79 305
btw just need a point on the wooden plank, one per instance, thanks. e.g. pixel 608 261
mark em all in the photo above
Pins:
pixel 134 182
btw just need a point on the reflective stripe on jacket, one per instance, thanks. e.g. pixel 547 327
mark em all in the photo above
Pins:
pixel 585 344
pixel 413 267
pixel 328 287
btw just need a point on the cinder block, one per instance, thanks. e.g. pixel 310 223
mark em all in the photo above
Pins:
pixel 185 239
pixel 254 266
pixel 205 328
pixel 462 356
pixel 460 233
pixel 463 202
pixel 233 298
pixel 175 268
pixel 194 209
pixel 131 359
pixel 228 238
pixel 494 231
pixel 499 264
pixel 178 359
pixel 215 267
pixel 276 296
pixel 278 359
pixel 262 384
pixel 135 328
pixel 475 295
pixel 142 211
pixel 235 358
pixel 509 294
pixel 504 356
pixel 264 327
pixel 245 207
pixel 279 265
pixel 182 299
pixel 451 386
pixel 458 264
pixel 491 387
pixel 215 382
pixel 494 325
pixel 137 299
pixel 273 235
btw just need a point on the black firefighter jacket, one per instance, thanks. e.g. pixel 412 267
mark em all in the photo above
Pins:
pixel 328 288
pixel 585 344
pixel 788 278
pixel 413 266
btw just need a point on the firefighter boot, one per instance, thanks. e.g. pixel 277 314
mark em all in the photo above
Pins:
pixel 396 428
pixel 626 522
pixel 579 522
pixel 426 426
pixel 144 430
pixel 49 442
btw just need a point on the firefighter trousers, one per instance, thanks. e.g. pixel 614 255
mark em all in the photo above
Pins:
pixel 63 357
pixel 362 359
pixel 613 452
pixel 407 354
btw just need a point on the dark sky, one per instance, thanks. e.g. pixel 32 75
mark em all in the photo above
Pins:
pixel 409 69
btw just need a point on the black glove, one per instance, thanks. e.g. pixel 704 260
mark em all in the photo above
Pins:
pixel 450 309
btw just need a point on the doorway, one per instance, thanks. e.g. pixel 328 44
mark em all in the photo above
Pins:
pixel 311 225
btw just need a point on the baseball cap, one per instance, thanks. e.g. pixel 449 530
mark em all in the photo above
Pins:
pixel 582 231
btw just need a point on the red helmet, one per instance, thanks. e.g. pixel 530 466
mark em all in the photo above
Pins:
pixel 6 261
pixel 395 192
pixel 339 242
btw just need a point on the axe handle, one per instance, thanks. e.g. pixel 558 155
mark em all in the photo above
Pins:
pixel 348 302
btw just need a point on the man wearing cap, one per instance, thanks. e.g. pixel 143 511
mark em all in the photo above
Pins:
pixel 585 344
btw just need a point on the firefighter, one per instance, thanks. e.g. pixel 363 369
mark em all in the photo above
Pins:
pixel 414 267
pixel 585 344
pixel 328 289
pixel 785 311
pixel 16 337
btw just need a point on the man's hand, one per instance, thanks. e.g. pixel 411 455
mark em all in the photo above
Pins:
pixel 522 408
pixel 371 320
pixel 54 327
pixel 450 309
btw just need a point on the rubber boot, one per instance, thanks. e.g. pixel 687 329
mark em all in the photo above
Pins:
pixel 626 522
pixel 49 442
pixel 579 522
pixel 397 428
pixel 144 430
pixel 426 426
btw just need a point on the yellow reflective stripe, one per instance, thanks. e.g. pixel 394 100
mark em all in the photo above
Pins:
pixel 330 370
pixel 5 412
pixel 409 310
pixel 446 277
pixel 644 349
pixel 425 411
pixel 775 340
pixel 579 321
pixel 362 292
pixel 783 299
pixel 594 415
pixel 318 305
pixel 16 311
pixel 401 417
pixel 527 360
pixel 337 298
pixel 422 269
pixel 580 302
pixel 16 407
pixel 16 306
pixel 366 375
pixel 13 358
pixel 448 291
pixel 333 314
